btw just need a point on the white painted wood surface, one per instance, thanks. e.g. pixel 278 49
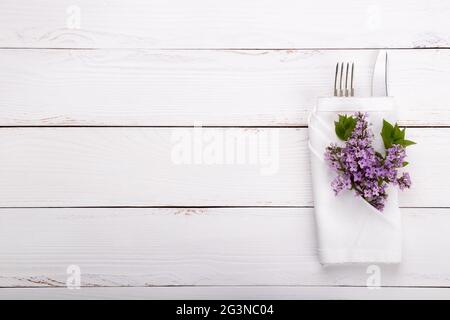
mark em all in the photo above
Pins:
pixel 226 293
pixel 182 63
pixel 214 88
pixel 242 246
pixel 225 24
pixel 72 167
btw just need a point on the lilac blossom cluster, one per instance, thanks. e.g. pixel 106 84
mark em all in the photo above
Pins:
pixel 362 169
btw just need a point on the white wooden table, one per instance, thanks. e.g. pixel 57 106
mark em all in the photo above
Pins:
pixel 92 94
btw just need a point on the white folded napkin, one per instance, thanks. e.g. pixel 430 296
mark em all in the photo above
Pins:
pixel 349 229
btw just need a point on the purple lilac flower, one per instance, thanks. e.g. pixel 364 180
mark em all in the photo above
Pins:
pixel 395 156
pixel 362 169
pixel 404 181
pixel 341 182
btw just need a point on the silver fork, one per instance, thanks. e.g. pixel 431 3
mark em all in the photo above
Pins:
pixel 341 88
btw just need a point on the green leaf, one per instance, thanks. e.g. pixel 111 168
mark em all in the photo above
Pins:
pixel 403 133
pixel 348 133
pixel 344 127
pixel 407 143
pixel 392 134
pixel 405 163
pixel 397 134
pixel 387 133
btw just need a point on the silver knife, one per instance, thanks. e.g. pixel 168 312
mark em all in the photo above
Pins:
pixel 380 75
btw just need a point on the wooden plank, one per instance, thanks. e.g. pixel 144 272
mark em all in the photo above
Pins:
pixel 226 24
pixel 215 88
pixel 228 292
pixel 201 247
pixel 71 167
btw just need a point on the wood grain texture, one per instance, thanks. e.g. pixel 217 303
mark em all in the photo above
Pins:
pixel 161 247
pixel 214 88
pixel 71 167
pixel 225 24
pixel 226 293
pixel 183 63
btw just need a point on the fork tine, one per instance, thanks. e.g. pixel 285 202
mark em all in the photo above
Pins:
pixel 346 80
pixel 335 80
pixel 340 80
pixel 352 90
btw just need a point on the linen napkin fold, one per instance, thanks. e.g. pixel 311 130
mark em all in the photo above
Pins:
pixel 349 229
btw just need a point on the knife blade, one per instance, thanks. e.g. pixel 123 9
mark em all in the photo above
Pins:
pixel 380 75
